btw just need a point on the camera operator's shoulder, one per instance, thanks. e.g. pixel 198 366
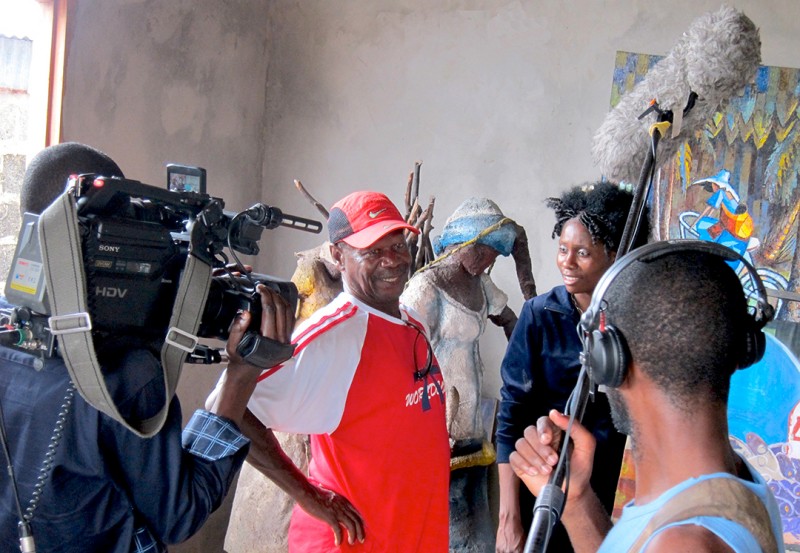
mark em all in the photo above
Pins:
pixel 135 380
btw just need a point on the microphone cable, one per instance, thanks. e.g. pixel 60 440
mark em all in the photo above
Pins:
pixel 26 543
pixel 551 499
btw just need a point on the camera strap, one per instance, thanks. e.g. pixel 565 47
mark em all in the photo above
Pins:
pixel 65 277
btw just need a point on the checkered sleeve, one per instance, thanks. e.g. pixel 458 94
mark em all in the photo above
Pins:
pixel 212 437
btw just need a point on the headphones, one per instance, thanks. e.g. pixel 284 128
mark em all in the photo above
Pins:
pixel 605 350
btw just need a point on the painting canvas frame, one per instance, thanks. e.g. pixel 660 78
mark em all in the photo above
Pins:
pixel 735 182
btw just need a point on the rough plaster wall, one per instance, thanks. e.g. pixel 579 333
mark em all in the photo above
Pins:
pixel 497 98
pixel 182 81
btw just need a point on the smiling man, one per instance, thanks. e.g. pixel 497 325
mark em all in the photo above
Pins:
pixel 365 385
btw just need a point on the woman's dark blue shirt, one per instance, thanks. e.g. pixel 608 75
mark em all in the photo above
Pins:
pixel 539 371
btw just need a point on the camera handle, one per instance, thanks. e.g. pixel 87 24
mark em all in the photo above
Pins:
pixel 270 217
pixel 263 352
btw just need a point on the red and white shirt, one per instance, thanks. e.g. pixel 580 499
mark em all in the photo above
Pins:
pixel 353 385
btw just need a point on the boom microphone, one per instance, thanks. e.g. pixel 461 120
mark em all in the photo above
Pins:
pixel 713 61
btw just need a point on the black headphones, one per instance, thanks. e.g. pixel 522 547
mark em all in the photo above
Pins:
pixel 605 350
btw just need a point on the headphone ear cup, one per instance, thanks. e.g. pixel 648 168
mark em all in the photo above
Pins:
pixel 754 345
pixel 609 357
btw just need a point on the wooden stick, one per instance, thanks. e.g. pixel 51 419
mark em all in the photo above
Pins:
pixel 409 184
pixel 425 253
pixel 321 208
pixel 417 167
pixel 427 214
pixel 414 213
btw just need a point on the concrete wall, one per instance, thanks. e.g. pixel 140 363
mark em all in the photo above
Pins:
pixel 183 81
pixel 497 98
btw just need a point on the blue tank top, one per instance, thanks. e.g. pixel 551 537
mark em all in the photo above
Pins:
pixel 634 519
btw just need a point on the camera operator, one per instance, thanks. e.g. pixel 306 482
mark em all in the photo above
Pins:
pixel 85 482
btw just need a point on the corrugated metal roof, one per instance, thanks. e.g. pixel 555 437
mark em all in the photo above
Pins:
pixel 15 62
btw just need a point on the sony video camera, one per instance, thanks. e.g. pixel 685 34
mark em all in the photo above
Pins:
pixel 135 240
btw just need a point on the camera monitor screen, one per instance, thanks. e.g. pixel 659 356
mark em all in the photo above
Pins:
pixel 185 178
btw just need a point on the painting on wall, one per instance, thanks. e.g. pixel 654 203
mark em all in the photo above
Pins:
pixel 735 182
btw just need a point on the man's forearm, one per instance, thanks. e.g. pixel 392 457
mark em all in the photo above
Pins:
pixel 230 399
pixel 586 521
pixel 508 484
pixel 268 457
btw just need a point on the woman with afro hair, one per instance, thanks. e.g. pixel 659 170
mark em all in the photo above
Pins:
pixel 541 365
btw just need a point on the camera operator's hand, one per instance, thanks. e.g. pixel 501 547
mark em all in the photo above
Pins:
pixel 277 322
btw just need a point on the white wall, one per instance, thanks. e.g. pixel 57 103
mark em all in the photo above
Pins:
pixel 497 98
pixel 182 81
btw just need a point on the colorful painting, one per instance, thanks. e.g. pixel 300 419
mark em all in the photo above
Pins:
pixel 735 182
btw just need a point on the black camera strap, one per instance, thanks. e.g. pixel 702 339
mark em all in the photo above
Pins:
pixel 60 243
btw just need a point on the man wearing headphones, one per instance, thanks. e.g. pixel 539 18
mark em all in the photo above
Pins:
pixel 667 327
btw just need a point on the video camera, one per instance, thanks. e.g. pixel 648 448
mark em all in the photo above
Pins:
pixel 135 239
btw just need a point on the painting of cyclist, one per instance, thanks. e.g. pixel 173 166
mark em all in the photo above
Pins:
pixel 732 226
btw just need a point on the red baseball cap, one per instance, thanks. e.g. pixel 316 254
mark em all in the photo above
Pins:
pixel 362 218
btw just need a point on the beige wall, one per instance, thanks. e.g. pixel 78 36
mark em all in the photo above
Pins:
pixel 496 98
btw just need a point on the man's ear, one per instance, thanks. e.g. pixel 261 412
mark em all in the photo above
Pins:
pixel 336 255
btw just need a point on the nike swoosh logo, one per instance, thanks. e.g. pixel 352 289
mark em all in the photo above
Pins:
pixel 373 214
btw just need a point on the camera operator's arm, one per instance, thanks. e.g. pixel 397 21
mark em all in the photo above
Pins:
pixel 268 457
pixel 240 378
pixel 197 465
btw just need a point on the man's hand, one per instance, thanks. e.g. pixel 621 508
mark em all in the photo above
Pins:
pixel 268 458
pixel 335 510
pixel 584 517
pixel 277 322
pixel 537 453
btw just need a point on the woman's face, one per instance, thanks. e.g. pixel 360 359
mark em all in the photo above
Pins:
pixel 580 262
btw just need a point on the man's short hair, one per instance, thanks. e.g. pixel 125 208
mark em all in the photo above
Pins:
pixel 683 316
pixel 49 170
